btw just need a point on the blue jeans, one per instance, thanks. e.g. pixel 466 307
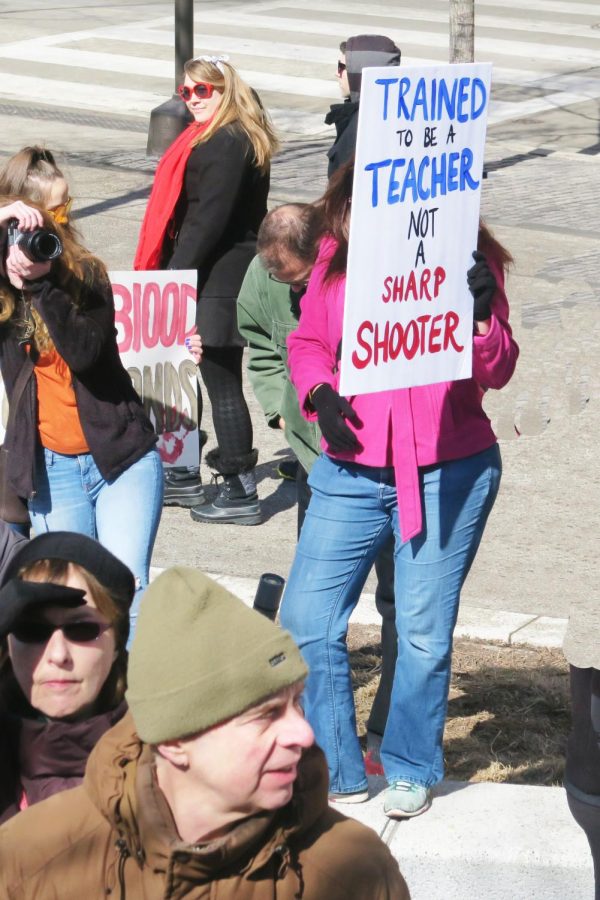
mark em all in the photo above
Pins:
pixel 123 514
pixel 352 512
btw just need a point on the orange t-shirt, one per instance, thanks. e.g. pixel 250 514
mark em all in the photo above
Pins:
pixel 59 424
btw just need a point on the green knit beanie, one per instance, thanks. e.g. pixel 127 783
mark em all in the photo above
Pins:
pixel 200 657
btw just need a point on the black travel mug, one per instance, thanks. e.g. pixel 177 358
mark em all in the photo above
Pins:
pixel 268 595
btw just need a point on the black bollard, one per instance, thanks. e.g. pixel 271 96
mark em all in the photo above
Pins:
pixel 168 120
pixel 268 595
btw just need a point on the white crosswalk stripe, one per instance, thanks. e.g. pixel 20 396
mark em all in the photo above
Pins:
pixel 287 51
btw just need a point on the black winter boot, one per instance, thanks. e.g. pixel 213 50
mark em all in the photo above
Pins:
pixel 183 487
pixel 237 501
pixel 183 484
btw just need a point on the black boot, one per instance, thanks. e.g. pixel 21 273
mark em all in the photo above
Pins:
pixel 237 501
pixel 183 484
pixel 183 487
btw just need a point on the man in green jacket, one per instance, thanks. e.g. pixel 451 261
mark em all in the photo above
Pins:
pixel 211 788
pixel 268 311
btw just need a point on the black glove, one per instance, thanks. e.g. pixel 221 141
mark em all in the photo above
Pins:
pixel 18 598
pixel 331 411
pixel 482 285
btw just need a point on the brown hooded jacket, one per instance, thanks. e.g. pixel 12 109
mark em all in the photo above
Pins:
pixel 114 837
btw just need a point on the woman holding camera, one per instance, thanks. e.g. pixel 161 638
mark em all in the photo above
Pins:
pixel 78 444
pixel 208 200
pixel 31 173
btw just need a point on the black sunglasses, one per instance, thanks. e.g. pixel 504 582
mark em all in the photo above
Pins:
pixel 341 68
pixel 41 632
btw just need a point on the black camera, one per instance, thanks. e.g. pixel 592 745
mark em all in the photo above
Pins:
pixel 39 245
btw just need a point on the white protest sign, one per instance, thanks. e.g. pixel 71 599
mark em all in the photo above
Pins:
pixel 408 315
pixel 154 311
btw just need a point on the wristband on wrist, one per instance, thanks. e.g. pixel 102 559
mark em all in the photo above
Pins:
pixel 313 390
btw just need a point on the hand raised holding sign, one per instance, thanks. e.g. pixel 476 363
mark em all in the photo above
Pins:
pixel 193 344
pixel 483 286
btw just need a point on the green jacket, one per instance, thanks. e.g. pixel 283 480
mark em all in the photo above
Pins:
pixel 265 319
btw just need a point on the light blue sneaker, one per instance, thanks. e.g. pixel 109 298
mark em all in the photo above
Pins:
pixel 404 799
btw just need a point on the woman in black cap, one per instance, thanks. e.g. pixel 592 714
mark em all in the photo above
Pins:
pixel 64 624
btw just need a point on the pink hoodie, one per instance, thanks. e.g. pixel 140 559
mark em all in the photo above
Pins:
pixel 408 427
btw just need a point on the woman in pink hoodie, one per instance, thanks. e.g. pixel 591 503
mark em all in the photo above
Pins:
pixel 421 463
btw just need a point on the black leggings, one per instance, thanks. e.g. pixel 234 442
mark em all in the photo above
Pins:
pixel 582 775
pixel 221 371
pixel 588 818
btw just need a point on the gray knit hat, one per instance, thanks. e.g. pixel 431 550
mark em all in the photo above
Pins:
pixel 200 656
pixel 365 50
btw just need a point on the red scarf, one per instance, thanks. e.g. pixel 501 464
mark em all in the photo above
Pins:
pixel 168 183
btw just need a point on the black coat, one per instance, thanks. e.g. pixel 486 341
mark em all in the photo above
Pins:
pixel 223 202
pixel 345 118
pixel 113 421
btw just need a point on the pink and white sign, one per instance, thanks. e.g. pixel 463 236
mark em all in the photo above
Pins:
pixel 154 312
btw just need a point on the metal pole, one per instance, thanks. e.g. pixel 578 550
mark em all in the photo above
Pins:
pixel 184 36
pixel 462 31
pixel 169 119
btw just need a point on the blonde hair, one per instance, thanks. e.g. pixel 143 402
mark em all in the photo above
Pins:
pixel 240 104
pixel 74 270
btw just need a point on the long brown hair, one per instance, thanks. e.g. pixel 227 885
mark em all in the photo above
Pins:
pixel 75 270
pixel 334 209
pixel 240 104
pixel 30 173
pixel 114 608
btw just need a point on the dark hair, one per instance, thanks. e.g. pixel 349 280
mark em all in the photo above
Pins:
pixel 334 211
pixel 343 46
pixel 488 244
pixel 289 230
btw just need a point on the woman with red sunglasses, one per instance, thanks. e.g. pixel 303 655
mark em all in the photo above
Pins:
pixel 208 200
pixel 64 623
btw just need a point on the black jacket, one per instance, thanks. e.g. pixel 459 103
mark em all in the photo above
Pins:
pixel 113 421
pixel 345 118
pixel 218 214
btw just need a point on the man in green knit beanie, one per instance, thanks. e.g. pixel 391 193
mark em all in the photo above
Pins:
pixel 211 786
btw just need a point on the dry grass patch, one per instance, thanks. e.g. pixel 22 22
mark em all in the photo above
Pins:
pixel 508 712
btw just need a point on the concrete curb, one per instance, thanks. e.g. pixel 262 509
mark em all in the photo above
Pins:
pixel 473 621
